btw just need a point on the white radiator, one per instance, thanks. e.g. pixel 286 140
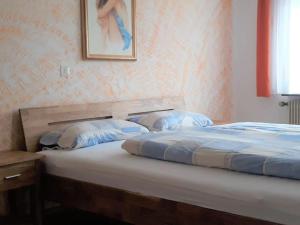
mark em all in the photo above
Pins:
pixel 294 111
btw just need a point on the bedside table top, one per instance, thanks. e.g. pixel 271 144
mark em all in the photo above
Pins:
pixel 12 157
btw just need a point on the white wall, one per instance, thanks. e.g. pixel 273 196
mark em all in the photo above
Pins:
pixel 246 106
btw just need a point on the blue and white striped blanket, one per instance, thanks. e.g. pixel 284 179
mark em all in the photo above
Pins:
pixel 256 148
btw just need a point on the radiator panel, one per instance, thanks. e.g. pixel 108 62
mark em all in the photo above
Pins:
pixel 294 111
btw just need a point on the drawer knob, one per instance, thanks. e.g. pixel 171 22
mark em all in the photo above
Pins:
pixel 12 176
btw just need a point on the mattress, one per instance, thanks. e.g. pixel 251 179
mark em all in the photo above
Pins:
pixel 262 197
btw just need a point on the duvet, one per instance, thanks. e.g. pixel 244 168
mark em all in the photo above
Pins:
pixel 256 148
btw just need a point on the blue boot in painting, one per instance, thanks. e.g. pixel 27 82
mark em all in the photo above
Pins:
pixel 125 34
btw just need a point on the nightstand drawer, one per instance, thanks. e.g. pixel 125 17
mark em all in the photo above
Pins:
pixel 17 175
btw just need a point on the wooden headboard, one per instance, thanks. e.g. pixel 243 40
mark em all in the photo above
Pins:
pixel 37 121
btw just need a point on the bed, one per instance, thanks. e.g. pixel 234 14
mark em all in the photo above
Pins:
pixel 107 180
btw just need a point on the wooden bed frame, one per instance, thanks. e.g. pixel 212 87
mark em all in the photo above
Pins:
pixel 107 201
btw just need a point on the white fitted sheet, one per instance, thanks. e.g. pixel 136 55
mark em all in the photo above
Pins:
pixel 267 198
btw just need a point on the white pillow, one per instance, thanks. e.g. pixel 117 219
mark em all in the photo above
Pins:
pixel 171 120
pixel 84 134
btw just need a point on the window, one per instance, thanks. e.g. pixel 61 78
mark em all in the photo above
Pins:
pixel 285 49
pixel 294 73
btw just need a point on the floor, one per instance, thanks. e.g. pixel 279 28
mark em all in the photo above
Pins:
pixel 64 217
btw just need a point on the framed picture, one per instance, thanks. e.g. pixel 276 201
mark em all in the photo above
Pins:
pixel 108 29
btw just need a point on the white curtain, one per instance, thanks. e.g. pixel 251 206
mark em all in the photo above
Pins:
pixel 285 48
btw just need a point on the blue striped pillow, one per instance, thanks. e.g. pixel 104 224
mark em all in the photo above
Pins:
pixel 84 134
pixel 171 120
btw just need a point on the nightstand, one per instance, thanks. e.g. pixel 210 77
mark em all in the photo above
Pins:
pixel 22 169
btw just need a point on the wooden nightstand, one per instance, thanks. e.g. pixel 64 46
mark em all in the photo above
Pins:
pixel 22 169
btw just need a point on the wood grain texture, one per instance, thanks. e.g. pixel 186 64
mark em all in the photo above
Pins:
pixel 24 171
pixel 26 176
pixel 37 121
pixel 135 208
pixel 17 170
pixel 13 157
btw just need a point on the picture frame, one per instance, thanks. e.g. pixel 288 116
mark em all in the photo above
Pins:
pixel 108 29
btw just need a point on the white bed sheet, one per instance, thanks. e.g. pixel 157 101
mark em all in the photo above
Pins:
pixel 267 198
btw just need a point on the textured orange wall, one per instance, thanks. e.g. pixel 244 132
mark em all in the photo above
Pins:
pixel 184 48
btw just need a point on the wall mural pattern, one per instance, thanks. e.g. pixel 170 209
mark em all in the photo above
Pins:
pixel 183 49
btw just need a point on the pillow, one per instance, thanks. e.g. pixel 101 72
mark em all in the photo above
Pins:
pixel 171 120
pixel 84 134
